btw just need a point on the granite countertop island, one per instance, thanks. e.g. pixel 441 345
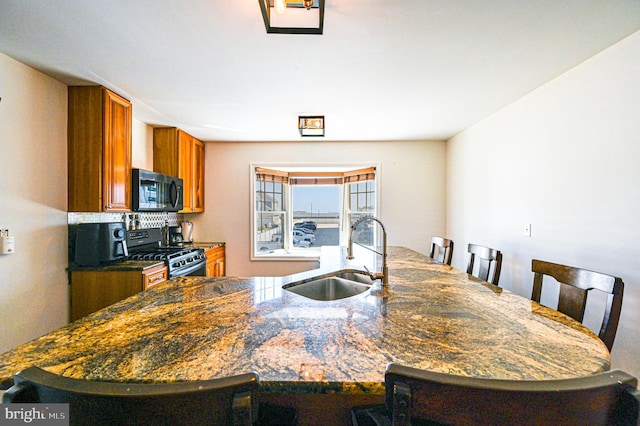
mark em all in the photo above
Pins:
pixel 433 317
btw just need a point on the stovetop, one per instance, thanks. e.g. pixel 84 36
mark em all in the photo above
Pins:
pixel 161 253
pixel 144 244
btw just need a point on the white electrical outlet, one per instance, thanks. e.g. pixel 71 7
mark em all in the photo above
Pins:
pixel 527 230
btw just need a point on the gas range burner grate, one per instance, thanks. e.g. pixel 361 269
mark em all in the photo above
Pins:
pixel 147 256
pixel 162 253
pixel 145 245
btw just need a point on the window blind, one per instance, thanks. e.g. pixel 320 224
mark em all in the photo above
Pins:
pixel 315 178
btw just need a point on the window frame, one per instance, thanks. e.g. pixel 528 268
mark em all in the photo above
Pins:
pixel 304 254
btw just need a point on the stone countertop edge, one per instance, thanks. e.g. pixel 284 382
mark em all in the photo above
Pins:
pixel 125 265
pixel 192 328
pixel 205 245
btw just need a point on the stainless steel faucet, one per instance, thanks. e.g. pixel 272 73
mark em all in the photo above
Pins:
pixel 384 275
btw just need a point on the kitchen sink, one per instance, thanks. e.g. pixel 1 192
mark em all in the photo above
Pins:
pixel 333 287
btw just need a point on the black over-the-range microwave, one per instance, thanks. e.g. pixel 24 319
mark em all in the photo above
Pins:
pixel 156 192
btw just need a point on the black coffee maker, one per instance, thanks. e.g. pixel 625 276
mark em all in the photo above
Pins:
pixel 175 236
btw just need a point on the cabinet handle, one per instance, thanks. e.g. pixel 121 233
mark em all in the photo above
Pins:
pixel 155 280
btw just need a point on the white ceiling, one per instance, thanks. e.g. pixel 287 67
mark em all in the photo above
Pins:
pixel 382 70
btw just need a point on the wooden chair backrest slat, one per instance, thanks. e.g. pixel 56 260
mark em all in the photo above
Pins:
pixel 575 285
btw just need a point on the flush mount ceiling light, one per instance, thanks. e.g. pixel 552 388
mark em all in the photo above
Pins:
pixel 311 125
pixel 293 16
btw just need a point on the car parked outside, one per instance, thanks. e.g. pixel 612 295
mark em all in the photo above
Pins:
pixel 298 240
pixel 301 243
pixel 304 236
pixel 305 230
pixel 308 224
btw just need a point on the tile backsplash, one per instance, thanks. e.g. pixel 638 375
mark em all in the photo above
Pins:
pixel 147 220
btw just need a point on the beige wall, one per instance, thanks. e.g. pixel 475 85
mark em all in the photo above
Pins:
pixel 33 203
pixel 565 159
pixel 142 145
pixel 412 176
pixel 34 297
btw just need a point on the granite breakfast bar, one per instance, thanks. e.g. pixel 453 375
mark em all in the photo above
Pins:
pixel 434 317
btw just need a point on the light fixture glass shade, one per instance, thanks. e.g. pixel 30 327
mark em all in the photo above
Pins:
pixel 297 16
pixel 311 125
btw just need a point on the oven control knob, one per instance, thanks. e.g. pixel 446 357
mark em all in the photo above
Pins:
pixel 118 233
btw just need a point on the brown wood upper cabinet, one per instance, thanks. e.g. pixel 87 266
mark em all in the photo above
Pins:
pixel 177 153
pixel 99 150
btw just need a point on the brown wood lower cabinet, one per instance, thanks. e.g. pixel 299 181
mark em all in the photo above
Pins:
pixel 215 261
pixel 93 290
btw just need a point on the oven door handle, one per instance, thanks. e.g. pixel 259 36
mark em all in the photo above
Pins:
pixel 186 271
pixel 174 195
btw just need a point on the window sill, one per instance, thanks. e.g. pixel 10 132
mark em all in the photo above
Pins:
pixel 305 254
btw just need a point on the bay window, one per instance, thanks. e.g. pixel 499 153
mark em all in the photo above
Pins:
pixel 297 210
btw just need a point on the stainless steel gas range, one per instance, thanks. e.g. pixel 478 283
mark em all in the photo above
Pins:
pixel 146 244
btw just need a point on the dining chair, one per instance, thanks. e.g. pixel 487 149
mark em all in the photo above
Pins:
pixel 416 396
pixel 486 257
pixel 230 400
pixel 575 285
pixel 441 250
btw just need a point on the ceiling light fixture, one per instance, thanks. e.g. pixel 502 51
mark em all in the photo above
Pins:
pixel 293 16
pixel 311 125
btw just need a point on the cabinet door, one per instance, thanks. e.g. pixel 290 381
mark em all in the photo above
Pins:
pixel 117 153
pixel 215 262
pixel 185 166
pixel 219 270
pixel 198 176
pixel 211 269
pixel 177 153
pixel 94 290
pixel 154 276
pixel 99 150
pixel 166 151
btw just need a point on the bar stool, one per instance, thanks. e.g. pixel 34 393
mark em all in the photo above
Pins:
pixel 575 285
pixel 230 400
pixel 415 396
pixel 441 250
pixel 486 257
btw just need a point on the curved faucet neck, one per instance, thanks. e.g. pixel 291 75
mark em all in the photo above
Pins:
pixel 384 275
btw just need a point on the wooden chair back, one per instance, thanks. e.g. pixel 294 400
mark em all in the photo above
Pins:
pixel 229 401
pixel 486 257
pixel 414 395
pixel 441 250
pixel 575 286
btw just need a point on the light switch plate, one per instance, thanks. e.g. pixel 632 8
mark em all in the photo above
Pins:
pixel 7 245
pixel 527 230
